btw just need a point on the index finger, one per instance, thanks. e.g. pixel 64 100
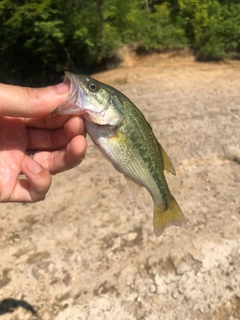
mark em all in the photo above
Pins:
pixel 16 101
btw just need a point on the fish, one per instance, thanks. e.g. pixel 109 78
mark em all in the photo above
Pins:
pixel 125 138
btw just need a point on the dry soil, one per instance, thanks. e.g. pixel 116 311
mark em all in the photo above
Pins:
pixel 86 252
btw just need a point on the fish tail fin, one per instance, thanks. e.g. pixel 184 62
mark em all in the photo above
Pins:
pixel 164 218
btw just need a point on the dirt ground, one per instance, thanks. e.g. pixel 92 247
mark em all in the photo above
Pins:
pixel 88 253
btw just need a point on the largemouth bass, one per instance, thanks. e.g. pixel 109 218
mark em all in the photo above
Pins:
pixel 126 139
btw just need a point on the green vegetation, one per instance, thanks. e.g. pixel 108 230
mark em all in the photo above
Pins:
pixel 41 39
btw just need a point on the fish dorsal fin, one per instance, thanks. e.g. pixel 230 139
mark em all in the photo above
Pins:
pixel 133 188
pixel 167 163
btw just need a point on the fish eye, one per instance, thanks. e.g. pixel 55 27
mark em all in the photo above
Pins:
pixel 92 86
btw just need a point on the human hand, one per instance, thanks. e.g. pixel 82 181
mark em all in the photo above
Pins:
pixel 29 127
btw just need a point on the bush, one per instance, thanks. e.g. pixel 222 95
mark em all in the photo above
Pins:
pixel 157 30
pixel 213 28
pixel 42 38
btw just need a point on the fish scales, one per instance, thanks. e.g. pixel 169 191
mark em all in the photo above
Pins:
pixel 150 155
pixel 125 138
pixel 126 144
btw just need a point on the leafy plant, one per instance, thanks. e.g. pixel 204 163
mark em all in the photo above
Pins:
pixel 42 38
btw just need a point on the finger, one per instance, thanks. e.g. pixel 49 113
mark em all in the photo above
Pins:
pixel 39 139
pixel 52 121
pixel 16 101
pixel 75 125
pixel 36 185
pixel 65 159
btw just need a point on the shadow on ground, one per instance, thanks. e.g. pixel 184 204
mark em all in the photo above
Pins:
pixel 10 305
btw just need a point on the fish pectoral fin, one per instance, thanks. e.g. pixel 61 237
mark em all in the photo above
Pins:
pixel 133 188
pixel 165 218
pixel 167 163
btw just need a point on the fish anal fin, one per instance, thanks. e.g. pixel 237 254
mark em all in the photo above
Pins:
pixel 166 218
pixel 167 163
pixel 133 188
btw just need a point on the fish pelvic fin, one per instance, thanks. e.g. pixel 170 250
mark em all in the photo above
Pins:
pixel 165 218
pixel 133 188
pixel 167 163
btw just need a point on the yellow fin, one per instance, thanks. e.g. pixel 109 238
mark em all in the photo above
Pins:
pixel 165 218
pixel 167 163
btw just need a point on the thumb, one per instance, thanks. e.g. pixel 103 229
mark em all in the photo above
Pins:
pixel 16 101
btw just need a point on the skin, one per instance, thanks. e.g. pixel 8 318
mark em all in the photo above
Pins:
pixel 26 125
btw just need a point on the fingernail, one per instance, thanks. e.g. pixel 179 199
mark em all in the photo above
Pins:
pixel 63 87
pixel 33 166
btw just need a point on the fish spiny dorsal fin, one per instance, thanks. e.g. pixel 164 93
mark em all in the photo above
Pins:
pixel 167 163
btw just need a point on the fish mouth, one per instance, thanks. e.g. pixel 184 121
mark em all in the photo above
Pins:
pixel 74 98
